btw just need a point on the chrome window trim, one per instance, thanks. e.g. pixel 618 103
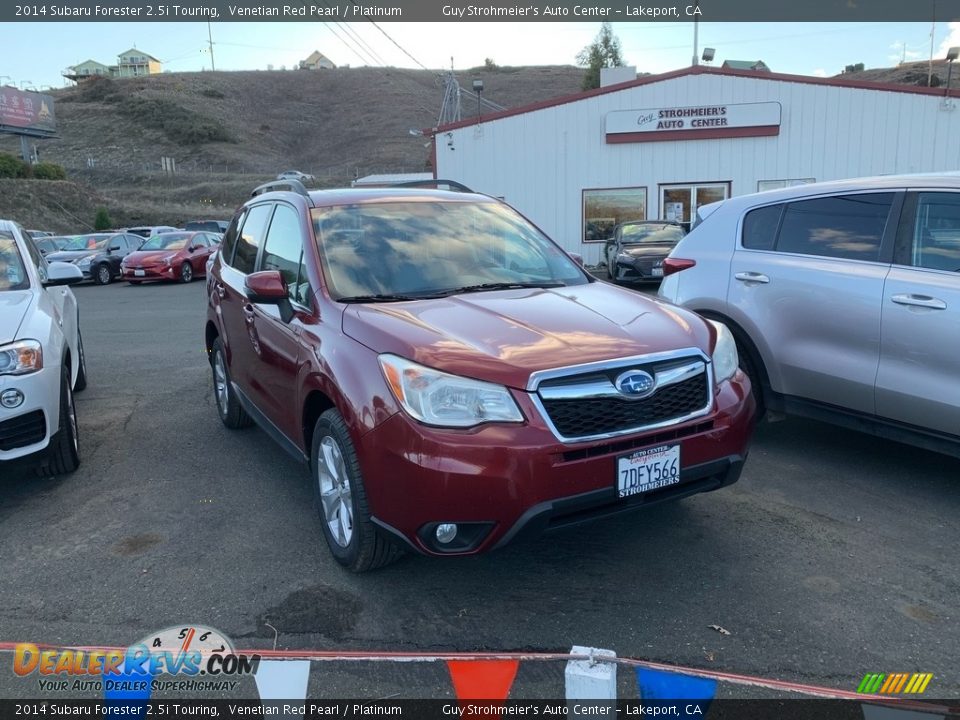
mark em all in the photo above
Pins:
pixel 670 377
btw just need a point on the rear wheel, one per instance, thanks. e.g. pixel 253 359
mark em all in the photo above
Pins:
pixel 341 499
pixel 102 274
pixel 229 408
pixel 63 455
pixel 186 272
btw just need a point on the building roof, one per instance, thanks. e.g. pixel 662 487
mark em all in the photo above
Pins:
pixel 90 62
pixel 745 64
pixel 138 52
pixel 841 81
pixel 316 56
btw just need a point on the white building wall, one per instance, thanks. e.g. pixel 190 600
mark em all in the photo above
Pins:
pixel 540 161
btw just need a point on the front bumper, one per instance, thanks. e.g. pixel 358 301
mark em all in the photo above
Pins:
pixel 27 429
pixel 643 270
pixel 158 272
pixel 503 481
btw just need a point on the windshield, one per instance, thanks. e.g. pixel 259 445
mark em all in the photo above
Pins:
pixel 13 274
pixel 88 242
pixel 167 241
pixel 418 249
pixel 642 234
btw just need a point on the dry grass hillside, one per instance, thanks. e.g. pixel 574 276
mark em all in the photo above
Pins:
pixel 229 130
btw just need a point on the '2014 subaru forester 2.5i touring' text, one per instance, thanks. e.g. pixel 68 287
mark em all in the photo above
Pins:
pixel 453 378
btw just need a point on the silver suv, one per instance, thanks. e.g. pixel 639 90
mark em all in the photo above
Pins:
pixel 844 299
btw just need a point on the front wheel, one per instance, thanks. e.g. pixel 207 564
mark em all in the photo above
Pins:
pixel 63 455
pixel 102 275
pixel 186 272
pixel 81 382
pixel 341 499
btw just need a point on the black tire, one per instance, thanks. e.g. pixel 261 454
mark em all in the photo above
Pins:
pixel 749 368
pixel 343 501
pixel 102 275
pixel 186 272
pixel 63 455
pixel 81 383
pixel 228 404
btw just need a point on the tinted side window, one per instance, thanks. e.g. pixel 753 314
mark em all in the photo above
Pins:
pixel 250 238
pixel 284 247
pixel 846 226
pixel 35 256
pixel 760 227
pixel 929 233
pixel 230 238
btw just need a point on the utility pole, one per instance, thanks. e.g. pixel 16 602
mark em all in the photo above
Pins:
pixel 213 65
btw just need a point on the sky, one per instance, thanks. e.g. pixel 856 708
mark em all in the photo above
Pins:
pixel 36 53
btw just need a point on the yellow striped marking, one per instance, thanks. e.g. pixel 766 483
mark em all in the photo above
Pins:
pixel 923 685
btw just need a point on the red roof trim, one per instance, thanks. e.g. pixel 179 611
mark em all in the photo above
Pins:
pixel 699 70
pixel 693 134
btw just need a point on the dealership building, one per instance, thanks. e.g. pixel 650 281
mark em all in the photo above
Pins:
pixel 660 146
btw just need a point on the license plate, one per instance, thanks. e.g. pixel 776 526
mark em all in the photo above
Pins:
pixel 139 273
pixel 658 272
pixel 646 470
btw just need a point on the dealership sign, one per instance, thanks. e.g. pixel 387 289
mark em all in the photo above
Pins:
pixel 26 113
pixel 696 122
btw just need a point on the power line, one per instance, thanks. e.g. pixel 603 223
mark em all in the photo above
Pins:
pixel 365 61
pixel 401 48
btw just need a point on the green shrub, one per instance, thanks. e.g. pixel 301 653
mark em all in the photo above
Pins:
pixel 175 121
pixel 13 167
pixel 49 171
pixel 102 220
pixel 212 93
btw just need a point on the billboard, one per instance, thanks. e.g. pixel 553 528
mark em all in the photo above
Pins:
pixel 26 113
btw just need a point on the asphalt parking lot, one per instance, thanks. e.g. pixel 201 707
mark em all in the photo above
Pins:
pixel 835 555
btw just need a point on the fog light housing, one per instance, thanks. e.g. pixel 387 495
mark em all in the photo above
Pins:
pixel 445 533
pixel 13 399
pixel 446 538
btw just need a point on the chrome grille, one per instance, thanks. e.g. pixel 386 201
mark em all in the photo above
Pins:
pixel 583 402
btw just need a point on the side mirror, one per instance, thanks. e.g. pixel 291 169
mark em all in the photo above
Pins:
pixel 62 273
pixel 577 258
pixel 192 249
pixel 267 288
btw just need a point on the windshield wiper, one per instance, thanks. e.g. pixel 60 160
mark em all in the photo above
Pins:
pixel 385 297
pixel 503 286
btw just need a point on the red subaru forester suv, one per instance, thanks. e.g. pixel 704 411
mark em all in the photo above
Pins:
pixel 453 378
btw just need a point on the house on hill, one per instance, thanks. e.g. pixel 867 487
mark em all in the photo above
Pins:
pixel 759 65
pixel 317 61
pixel 135 62
pixel 89 68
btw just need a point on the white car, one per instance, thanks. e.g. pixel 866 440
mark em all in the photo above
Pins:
pixel 41 355
pixel 296 175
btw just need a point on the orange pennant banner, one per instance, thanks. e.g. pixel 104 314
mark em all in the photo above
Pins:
pixel 482 679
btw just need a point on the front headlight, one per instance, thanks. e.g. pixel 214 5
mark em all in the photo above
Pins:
pixel 437 398
pixel 21 357
pixel 84 261
pixel 169 259
pixel 624 258
pixel 725 358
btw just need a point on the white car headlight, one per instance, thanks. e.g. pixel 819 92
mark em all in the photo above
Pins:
pixel 21 357
pixel 437 398
pixel 725 358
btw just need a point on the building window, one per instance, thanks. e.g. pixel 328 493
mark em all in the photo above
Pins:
pixel 679 203
pixel 763 185
pixel 604 209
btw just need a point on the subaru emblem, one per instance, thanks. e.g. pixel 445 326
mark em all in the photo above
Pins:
pixel 635 384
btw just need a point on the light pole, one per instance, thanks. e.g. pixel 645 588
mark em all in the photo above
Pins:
pixel 952 55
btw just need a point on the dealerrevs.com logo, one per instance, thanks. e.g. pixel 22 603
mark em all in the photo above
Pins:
pixel 186 652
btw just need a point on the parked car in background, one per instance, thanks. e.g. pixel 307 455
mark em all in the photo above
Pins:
pixel 844 298
pixel 216 226
pixel 170 256
pixel 296 175
pixel 146 231
pixel 638 248
pixel 41 356
pixel 98 255
pixel 52 243
pixel 453 378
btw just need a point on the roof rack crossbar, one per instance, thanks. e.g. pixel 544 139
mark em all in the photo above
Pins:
pixel 453 184
pixel 275 185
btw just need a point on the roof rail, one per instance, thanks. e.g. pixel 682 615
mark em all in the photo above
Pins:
pixel 275 185
pixel 451 184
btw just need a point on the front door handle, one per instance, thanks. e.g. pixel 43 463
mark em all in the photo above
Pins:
pixel 919 301
pixel 752 277
pixel 221 291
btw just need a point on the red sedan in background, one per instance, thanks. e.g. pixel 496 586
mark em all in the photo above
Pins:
pixel 170 256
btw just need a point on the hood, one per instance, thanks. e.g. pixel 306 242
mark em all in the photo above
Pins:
pixel 505 335
pixel 13 309
pixel 70 255
pixel 648 250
